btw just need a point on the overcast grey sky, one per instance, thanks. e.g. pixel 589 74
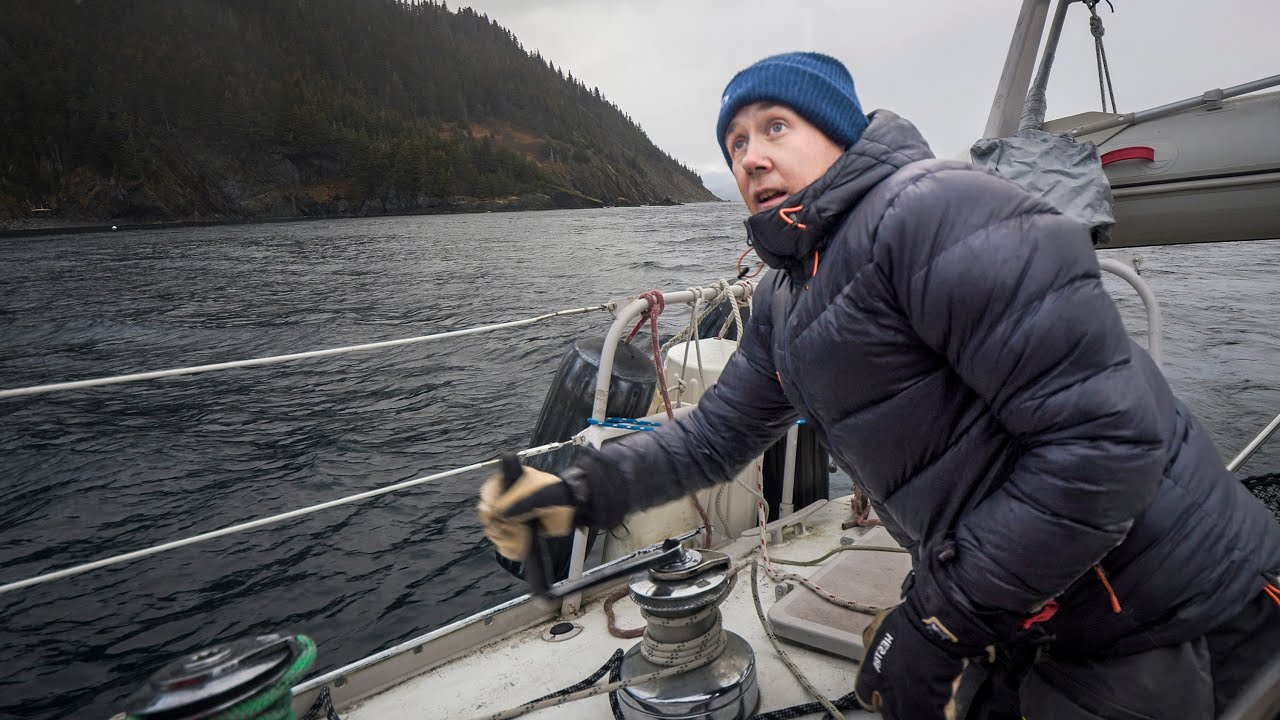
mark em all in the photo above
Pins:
pixel 665 62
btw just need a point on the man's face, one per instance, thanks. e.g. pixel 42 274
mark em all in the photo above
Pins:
pixel 775 153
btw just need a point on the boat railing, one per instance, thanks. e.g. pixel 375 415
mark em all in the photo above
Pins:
pixel 624 309
pixel 1254 444
pixel 1155 327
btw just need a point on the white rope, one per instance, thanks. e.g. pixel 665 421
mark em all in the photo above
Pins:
pixel 80 384
pixel 261 522
pixel 762 514
pixel 723 294
pixel 737 316
pixel 704 647
pixel 782 654
pixel 710 308
pixel 694 322
pixel 719 491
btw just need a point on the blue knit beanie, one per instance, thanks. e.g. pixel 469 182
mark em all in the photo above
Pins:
pixel 815 86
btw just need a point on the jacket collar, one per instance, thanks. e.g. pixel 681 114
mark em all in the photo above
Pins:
pixel 785 237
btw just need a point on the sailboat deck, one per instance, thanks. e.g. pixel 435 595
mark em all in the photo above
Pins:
pixel 523 666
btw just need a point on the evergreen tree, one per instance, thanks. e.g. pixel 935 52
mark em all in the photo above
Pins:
pixel 370 98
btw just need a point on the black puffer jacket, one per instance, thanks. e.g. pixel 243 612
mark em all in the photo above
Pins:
pixel 950 337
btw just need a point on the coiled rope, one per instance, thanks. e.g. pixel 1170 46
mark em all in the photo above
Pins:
pixel 262 522
pixel 276 701
pixel 709 644
pixel 134 377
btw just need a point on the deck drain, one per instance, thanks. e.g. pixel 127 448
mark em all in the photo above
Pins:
pixel 561 631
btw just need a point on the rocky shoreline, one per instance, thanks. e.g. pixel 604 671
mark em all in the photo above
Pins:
pixel 51 224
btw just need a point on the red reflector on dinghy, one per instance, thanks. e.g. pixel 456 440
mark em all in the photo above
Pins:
pixel 1137 152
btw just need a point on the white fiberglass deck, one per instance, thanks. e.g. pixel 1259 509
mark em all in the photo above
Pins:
pixel 523 666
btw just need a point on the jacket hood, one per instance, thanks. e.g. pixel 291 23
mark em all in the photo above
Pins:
pixel 785 237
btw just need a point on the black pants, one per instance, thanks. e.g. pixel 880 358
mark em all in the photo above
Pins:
pixel 1196 680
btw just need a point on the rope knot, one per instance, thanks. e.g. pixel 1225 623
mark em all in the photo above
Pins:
pixel 1104 69
pixel 657 302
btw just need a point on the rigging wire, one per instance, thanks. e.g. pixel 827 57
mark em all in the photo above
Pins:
pixel 133 377
pixel 261 522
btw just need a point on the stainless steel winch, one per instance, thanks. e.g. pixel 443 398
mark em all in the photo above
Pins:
pixel 680 601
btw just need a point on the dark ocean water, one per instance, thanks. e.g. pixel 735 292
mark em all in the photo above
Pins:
pixel 92 473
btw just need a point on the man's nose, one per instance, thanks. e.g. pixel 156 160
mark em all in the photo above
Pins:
pixel 756 157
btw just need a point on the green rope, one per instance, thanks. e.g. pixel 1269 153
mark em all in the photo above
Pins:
pixel 275 702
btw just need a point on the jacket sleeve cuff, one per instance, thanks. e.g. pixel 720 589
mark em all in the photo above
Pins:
pixel 595 482
pixel 949 620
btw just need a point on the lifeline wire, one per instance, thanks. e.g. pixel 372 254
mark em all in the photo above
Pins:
pixel 260 522
pixel 80 384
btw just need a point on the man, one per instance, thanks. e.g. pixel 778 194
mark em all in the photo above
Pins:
pixel 950 338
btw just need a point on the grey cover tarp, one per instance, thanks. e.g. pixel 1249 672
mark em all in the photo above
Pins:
pixel 1065 173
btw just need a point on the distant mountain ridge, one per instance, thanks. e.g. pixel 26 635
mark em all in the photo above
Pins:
pixel 234 109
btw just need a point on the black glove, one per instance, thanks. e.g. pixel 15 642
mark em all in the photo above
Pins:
pixel 908 672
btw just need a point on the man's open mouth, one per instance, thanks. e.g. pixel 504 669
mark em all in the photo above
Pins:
pixel 765 196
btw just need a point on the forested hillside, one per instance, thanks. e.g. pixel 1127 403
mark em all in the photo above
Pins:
pixel 213 109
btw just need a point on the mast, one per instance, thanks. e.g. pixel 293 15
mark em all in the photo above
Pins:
pixel 1015 79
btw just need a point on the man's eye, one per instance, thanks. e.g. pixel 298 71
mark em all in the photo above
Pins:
pixel 738 144
pixel 777 126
